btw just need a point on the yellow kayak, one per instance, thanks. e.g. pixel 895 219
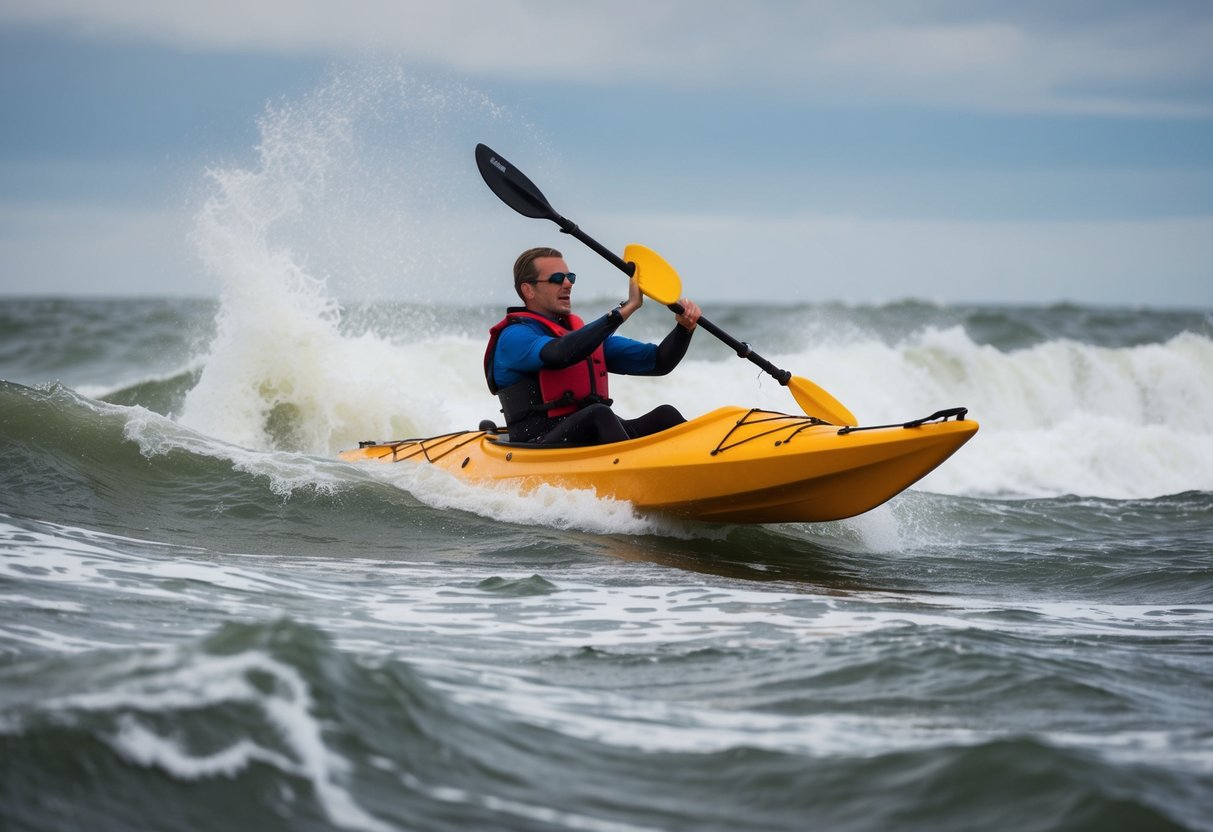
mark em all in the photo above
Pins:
pixel 732 465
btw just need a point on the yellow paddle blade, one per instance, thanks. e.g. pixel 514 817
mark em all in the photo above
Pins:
pixel 656 278
pixel 817 402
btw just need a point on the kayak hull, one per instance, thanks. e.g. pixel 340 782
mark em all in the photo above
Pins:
pixel 732 465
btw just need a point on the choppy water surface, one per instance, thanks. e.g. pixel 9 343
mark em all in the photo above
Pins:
pixel 202 629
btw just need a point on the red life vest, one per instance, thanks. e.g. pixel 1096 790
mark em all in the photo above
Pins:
pixel 555 392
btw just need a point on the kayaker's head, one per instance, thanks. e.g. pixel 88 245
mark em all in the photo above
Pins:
pixel 533 281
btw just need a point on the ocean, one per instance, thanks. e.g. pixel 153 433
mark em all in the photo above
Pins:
pixel 209 622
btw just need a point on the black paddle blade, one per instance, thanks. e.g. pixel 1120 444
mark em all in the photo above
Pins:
pixel 511 185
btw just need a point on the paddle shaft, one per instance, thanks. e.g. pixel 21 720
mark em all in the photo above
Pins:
pixel 742 349
pixel 567 226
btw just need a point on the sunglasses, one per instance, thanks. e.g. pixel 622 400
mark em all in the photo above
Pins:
pixel 557 278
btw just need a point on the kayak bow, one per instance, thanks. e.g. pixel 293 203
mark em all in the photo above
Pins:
pixel 731 465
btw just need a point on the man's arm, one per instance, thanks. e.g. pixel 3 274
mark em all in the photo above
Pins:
pixel 577 345
pixel 671 350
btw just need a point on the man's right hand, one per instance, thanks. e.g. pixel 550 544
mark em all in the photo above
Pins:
pixel 635 299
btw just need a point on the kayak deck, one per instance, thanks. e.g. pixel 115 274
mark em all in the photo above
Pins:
pixel 731 465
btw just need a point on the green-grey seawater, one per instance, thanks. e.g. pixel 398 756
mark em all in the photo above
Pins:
pixel 209 622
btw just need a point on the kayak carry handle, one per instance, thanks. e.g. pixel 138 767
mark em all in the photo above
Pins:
pixel 940 415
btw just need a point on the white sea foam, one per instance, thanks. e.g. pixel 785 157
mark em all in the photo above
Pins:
pixel 326 200
pixel 1124 423
pixel 576 509
pixel 669 607
pixel 50 555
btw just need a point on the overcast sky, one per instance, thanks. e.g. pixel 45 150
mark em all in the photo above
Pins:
pixel 854 151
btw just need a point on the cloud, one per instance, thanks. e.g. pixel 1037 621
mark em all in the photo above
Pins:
pixel 927 51
pixel 1124 59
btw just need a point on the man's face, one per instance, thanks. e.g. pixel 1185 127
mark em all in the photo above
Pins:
pixel 547 298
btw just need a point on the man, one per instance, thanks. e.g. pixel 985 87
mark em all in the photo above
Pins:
pixel 549 369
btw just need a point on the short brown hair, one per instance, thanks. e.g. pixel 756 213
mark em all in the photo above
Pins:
pixel 524 266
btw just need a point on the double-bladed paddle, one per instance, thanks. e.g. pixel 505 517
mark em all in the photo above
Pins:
pixel 655 277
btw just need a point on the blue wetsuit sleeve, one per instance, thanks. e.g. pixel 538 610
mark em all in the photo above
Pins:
pixel 636 358
pixel 517 354
pixel 629 357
